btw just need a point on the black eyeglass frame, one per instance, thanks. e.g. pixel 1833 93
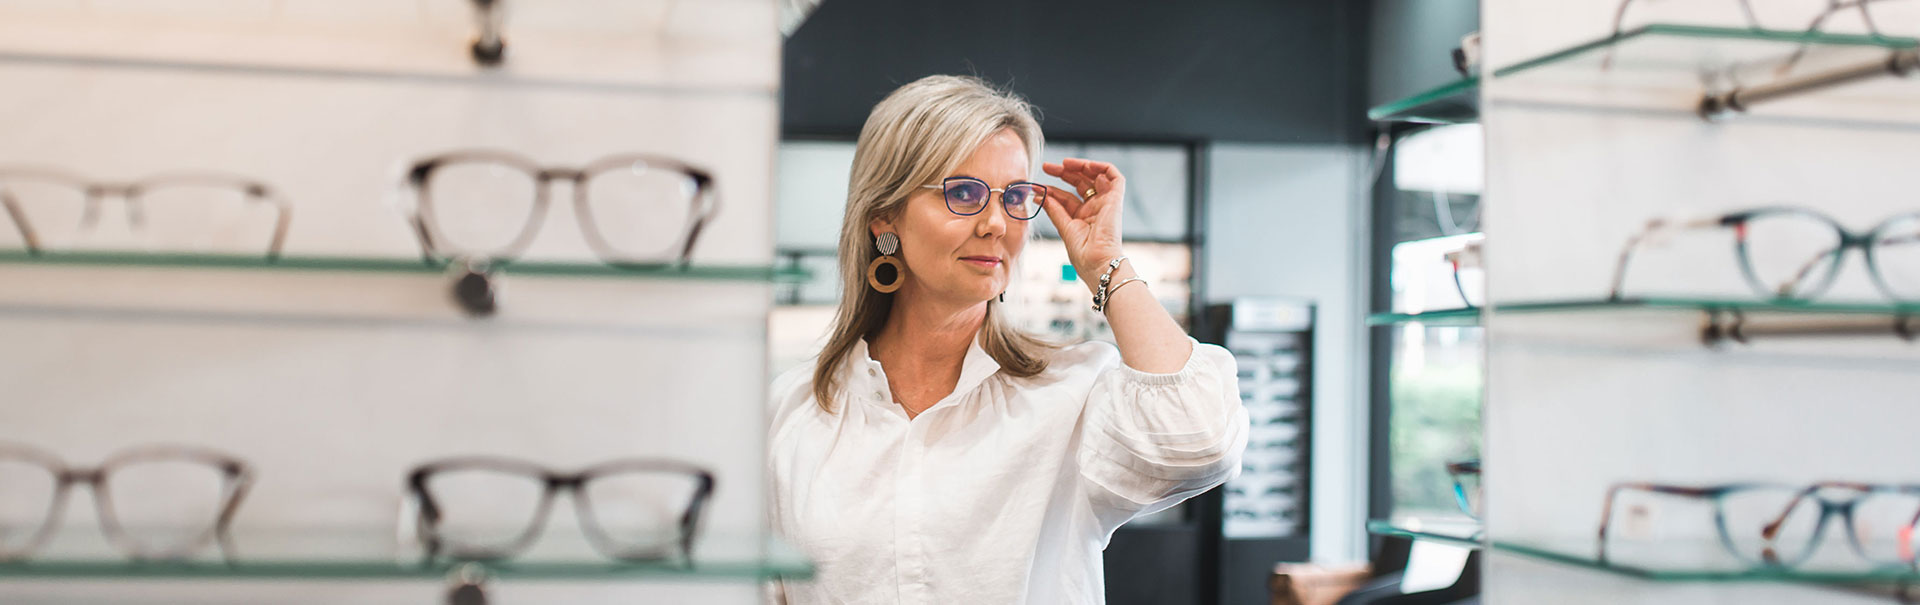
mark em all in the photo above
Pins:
pixel 554 482
pixel 704 204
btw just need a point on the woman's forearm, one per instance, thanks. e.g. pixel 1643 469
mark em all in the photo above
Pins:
pixel 1149 339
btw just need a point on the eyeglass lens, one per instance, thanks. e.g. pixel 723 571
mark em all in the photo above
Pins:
pixel 165 504
pixel 484 510
pixel 1896 257
pixel 967 196
pixel 490 207
pixel 490 511
pixel 26 501
pixel 638 510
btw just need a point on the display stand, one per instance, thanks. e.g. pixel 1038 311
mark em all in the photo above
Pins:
pixel 335 368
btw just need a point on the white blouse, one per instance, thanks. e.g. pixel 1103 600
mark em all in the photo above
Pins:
pixel 1006 490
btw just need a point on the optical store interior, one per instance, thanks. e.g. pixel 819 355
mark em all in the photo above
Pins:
pixel 1212 302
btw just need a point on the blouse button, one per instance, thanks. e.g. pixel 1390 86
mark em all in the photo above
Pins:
pixel 870 372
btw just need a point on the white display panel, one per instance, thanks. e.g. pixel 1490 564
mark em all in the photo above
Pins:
pixel 332 384
pixel 1579 401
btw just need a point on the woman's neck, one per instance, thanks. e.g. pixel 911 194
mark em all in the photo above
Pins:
pixel 921 329
pixel 923 346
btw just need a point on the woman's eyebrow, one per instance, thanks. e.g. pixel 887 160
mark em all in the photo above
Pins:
pixel 1024 179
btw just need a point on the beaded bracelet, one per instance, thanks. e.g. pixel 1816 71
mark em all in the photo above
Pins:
pixel 1100 295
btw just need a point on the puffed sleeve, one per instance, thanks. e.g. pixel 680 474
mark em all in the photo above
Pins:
pixel 1149 441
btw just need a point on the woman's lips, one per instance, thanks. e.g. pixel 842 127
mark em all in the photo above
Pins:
pixel 982 261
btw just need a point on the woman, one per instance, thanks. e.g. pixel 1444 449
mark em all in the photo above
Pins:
pixel 936 454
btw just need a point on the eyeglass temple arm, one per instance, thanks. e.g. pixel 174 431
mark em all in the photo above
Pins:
pixel 1620 20
pixel 1833 8
pixel 1806 269
pixel 19 220
pixel 416 183
pixel 427 513
pixel 283 219
pixel 241 484
pixel 1459 259
pixel 1770 532
pixel 1906 538
pixel 709 206
pixel 1456 470
pixel 690 521
pixel 1606 514
pixel 1653 228
pixel 1814 262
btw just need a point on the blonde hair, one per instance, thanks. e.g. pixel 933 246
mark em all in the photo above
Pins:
pixel 919 134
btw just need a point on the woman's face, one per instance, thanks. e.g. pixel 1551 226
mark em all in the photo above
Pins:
pixel 964 259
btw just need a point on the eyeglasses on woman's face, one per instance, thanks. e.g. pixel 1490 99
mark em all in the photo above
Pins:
pixel 967 196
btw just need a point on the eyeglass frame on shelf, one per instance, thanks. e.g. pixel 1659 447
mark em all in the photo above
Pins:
pixel 1834 7
pixel 94 192
pixel 704 204
pixel 1455 471
pixel 1737 221
pixel 1468 256
pixel 237 479
pixel 554 482
pixel 1768 532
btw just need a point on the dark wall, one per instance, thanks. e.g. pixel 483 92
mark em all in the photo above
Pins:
pixel 1411 45
pixel 1223 70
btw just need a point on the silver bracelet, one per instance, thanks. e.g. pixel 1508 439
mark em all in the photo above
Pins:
pixel 1100 295
pixel 1116 288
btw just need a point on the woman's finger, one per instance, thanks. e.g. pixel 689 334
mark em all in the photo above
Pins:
pixel 1089 179
pixel 1079 184
pixel 1067 200
pixel 1091 168
pixel 1056 208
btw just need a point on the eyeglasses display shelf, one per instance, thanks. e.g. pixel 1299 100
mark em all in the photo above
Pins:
pixel 1456 102
pixel 1713 70
pixel 695 271
pixel 362 554
pixel 1725 319
pixel 1698 560
pixel 1463 534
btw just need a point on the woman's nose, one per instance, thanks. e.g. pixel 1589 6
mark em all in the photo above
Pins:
pixel 993 221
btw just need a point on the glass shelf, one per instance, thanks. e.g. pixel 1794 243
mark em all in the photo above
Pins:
pixel 1457 102
pixel 1696 561
pixel 1467 317
pixel 357 554
pixel 1452 533
pixel 1677 66
pixel 752 273
pixel 1747 308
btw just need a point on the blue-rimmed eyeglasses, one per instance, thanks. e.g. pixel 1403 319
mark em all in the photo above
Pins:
pixel 1795 253
pixel 1771 525
pixel 967 196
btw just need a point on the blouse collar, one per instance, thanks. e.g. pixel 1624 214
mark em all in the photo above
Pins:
pixel 974 369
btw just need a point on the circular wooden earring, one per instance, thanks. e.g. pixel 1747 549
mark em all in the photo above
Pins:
pixel 888 243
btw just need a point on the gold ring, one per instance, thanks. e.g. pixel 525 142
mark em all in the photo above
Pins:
pixel 1089 192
